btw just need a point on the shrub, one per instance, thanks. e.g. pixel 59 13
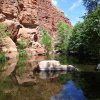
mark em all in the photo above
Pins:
pixel 3 60
pixel 23 54
pixel 2 57
pixel 22 44
pixel 4 31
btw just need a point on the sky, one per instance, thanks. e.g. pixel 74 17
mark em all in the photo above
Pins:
pixel 73 9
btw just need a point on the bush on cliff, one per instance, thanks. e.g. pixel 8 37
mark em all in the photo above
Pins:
pixel 4 31
pixel 2 57
pixel 22 43
pixel 23 54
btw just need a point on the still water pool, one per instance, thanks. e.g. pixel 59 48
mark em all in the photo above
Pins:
pixel 18 82
pixel 70 92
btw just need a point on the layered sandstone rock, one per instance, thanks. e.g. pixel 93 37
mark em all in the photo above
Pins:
pixel 33 13
pixel 23 10
pixel 9 48
pixel 49 16
pixel 26 17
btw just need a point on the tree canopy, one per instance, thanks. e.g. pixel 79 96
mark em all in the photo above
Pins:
pixel 64 33
pixel 46 40
pixel 91 5
pixel 85 37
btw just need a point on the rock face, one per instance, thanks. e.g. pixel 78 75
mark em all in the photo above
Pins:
pixel 23 10
pixel 8 68
pixel 26 17
pixel 9 48
pixel 49 16
pixel 33 13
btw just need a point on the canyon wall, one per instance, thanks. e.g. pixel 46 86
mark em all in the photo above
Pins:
pixel 33 13
pixel 24 11
pixel 49 16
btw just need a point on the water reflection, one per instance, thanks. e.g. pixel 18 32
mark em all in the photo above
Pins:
pixel 50 74
pixel 48 84
pixel 70 92
pixel 8 68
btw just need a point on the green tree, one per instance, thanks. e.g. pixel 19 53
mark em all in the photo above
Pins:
pixel 91 32
pixel 91 5
pixel 64 31
pixel 85 38
pixel 46 40
pixel 75 41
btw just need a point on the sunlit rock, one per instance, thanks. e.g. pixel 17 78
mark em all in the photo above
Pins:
pixel 98 67
pixel 53 65
pixel 9 48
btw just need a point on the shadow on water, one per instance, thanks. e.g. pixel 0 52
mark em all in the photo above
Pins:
pixel 90 84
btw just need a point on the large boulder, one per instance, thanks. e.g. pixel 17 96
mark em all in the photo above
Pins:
pixel 13 22
pixel 8 68
pixel 53 65
pixel 68 68
pixel 49 65
pixel 13 26
pixel 9 48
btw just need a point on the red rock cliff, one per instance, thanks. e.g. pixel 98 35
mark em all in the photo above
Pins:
pixel 49 16
pixel 33 13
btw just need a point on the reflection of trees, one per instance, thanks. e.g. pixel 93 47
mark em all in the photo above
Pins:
pixel 8 68
pixel 6 82
pixel 89 82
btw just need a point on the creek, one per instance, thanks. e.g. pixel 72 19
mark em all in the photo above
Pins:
pixel 18 82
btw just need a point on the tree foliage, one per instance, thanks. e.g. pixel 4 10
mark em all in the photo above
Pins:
pixel 91 5
pixel 64 33
pixel 91 33
pixel 75 40
pixel 85 37
pixel 46 40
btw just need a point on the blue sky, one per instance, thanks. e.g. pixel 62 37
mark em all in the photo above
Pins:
pixel 73 9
